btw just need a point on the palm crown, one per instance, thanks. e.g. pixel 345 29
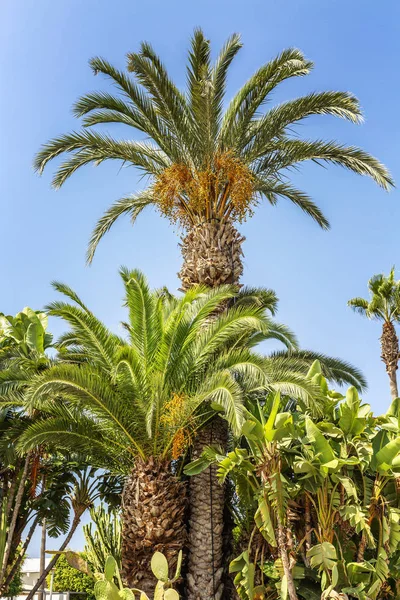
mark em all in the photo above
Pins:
pixel 118 400
pixel 205 162
pixel 384 305
pixel 384 302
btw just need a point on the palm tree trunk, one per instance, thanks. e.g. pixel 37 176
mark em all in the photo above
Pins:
pixel 20 557
pixel 207 495
pixel 53 562
pixel 212 253
pixel 390 355
pixel 17 506
pixel 154 504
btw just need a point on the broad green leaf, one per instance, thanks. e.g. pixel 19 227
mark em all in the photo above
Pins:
pixel 322 556
pixel 348 485
pixel 197 466
pixel 357 519
pixel 335 575
pixel 263 521
pixel 35 337
pixel 126 594
pixel 159 591
pixel 238 563
pixel 106 590
pixel 253 430
pixel 387 454
pixel 321 445
pixel 159 566
pixel 171 594
pixel 315 369
pixel 236 458
pixel 110 568
pixel 269 426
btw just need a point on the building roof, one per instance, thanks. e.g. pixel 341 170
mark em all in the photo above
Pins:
pixel 32 565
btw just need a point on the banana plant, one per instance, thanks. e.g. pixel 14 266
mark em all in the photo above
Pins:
pixel 324 489
pixel 27 330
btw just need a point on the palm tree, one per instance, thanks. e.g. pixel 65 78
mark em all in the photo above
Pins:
pixel 133 406
pixel 384 305
pixel 208 168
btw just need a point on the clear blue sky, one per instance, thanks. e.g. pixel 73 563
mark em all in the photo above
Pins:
pixel 355 44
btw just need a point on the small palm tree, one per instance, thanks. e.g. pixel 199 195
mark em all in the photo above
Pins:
pixel 208 167
pixel 133 406
pixel 384 305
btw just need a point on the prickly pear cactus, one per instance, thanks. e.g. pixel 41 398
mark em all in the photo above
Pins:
pixel 107 589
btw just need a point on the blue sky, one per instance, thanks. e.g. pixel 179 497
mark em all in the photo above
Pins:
pixel 44 51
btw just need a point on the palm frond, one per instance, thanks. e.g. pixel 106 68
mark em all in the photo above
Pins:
pixel 334 369
pixel 287 153
pixel 243 107
pixel 275 123
pixel 272 189
pixel 131 205
pixel 89 146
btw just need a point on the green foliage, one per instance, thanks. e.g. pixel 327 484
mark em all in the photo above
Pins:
pixel 27 331
pixel 16 586
pixel 109 585
pixel 384 301
pixel 324 487
pixel 176 368
pixel 192 130
pixel 68 578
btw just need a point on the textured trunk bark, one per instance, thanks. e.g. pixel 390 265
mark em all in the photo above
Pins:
pixel 390 355
pixel 154 506
pixel 53 562
pixel 206 523
pixel 212 253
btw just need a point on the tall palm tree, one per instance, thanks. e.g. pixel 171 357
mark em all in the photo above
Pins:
pixel 384 305
pixel 208 168
pixel 133 406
